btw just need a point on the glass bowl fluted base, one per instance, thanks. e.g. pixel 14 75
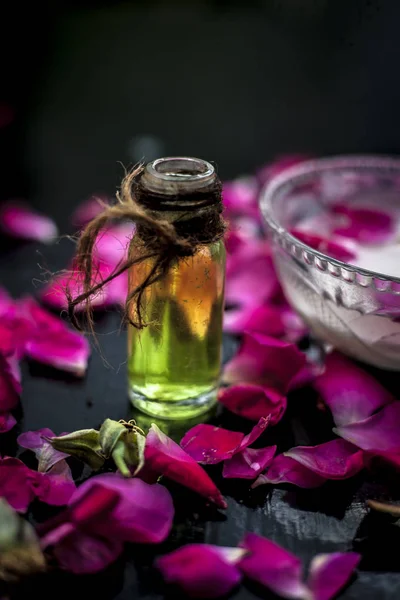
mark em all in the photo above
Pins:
pixel 172 410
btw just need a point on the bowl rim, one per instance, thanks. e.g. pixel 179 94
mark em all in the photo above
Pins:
pixel 319 165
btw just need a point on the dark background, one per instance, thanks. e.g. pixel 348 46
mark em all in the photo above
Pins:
pixel 234 82
pixel 92 85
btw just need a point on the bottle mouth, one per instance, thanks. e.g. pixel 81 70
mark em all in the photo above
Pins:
pixel 177 175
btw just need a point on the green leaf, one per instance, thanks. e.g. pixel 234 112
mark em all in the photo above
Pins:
pixel 83 444
pixel 110 434
pixel 124 442
pixel 134 451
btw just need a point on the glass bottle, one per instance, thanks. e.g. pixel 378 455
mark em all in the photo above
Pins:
pixel 174 361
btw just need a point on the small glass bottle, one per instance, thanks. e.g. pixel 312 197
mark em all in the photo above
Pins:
pixel 174 361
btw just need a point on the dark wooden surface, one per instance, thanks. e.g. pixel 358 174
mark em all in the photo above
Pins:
pixel 238 84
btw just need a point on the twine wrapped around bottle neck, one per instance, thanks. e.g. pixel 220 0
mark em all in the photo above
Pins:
pixel 170 227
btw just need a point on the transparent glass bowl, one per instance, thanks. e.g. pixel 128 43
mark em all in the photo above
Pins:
pixel 350 308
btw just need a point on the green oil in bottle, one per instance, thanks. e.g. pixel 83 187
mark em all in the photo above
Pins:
pixel 174 361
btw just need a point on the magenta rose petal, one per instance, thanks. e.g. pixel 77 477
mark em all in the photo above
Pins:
pixel 8 345
pixel 6 302
pixel 337 459
pixel 94 507
pixel 143 514
pixel 249 463
pixel 307 375
pixel 273 320
pixel 350 393
pixel 265 319
pixel 329 573
pixel 255 433
pixel 254 402
pixel 67 351
pixel 240 197
pixel 112 244
pixel 273 567
pixel 328 246
pixel 50 341
pixel 55 293
pixel 165 457
pixel 265 360
pixel 16 483
pixel 209 445
pixel 10 383
pixel 80 553
pixel 378 433
pixel 284 469
pixel 46 455
pixel 56 486
pixel 365 225
pixel 20 221
pixel 103 513
pixel 7 422
pixel 250 276
pixel 202 570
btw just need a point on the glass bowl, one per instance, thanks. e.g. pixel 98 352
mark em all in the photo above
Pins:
pixel 356 310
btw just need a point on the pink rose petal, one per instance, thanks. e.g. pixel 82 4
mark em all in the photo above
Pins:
pixel 7 422
pixel 284 469
pixel 165 457
pixel 330 572
pixel 20 221
pixel 274 321
pixel 46 455
pixel 336 459
pixel 250 275
pixel 56 486
pixel 255 433
pixel 94 507
pixel 7 339
pixel 6 302
pixel 68 352
pixel 266 361
pixel 103 513
pixel 349 392
pixel 273 567
pixel 378 433
pixel 50 341
pixel 202 570
pixel 10 383
pixel 249 463
pixel 240 197
pixel 88 210
pixel 143 514
pixel 366 225
pixel 110 250
pixel 80 553
pixel 16 483
pixel 19 484
pixel 253 402
pixel 207 444
pixel 327 246
pixel 113 293
pixel 112 244
pixel 307 375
